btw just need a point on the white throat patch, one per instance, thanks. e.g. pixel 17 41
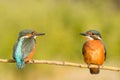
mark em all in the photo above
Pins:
pixel 35 37
pixel 89 38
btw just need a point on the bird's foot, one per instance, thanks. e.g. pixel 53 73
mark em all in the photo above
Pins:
pixel 99 66
pixel 32 60
pixel 88 65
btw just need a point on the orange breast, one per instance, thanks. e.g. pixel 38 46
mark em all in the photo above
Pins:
pixel 94 52
pixel 30 54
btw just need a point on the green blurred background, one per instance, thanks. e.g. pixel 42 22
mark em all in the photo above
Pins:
pixel 62 21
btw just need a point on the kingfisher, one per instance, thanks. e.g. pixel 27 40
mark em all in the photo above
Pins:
pixel 25 47
pixel 94 51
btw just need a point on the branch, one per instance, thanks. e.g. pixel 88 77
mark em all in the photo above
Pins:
pixel 62 63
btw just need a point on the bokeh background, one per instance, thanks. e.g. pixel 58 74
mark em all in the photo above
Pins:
pixel 62 21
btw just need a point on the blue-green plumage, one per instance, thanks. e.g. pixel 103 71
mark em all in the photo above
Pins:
pixel 24 46
pixel 27 46
pixel 18 54
pixel 22 49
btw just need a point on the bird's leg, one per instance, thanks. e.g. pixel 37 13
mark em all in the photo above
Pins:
pixel 89 66
pixel 32 60
pixel 26 60
pixel 99 66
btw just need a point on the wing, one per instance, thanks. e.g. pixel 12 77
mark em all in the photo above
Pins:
pixel 105 51
pixel 27 47
pixel 14 48
pixel 83 51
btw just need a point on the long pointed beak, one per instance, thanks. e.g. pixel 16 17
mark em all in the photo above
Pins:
pixel 83 34
pixel 40 34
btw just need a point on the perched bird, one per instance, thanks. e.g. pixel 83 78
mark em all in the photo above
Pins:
pixel 93 50
pixel 25 47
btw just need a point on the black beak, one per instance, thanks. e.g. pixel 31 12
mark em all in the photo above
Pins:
pixel 40 34
pixel 83 34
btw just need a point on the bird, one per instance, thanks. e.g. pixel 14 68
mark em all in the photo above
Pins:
pixel 25 47
pixel 94 50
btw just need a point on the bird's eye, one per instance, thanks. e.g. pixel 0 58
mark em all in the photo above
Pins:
pixel 93 34
pixel 32 33
pixel 89 33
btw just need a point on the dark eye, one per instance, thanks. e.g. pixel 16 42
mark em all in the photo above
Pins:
pixel 89 33
pixel 93 34
pixel 33 33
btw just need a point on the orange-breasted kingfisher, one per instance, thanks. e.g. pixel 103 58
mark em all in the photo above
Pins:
pixel 94 51
pixel 25 47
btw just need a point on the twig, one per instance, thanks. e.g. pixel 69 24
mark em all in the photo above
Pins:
pixel 62 63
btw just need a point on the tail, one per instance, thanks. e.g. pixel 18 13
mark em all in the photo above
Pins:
pixel 94 70
pixel 20 64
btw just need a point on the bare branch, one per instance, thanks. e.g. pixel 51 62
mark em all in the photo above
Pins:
pixel 62 63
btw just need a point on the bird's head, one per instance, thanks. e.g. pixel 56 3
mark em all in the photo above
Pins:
pixel 92 35
pixel 29 34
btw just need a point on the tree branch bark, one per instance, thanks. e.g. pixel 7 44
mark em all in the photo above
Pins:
pixel 62 63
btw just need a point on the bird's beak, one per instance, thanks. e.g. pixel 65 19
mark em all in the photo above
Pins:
pixel 83 34
pixel 40 34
